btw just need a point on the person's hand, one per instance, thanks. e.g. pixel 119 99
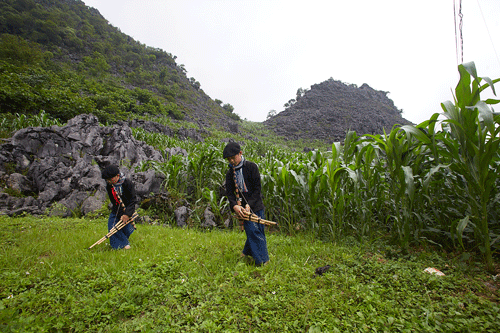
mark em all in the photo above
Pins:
pixel 125 218
pixel 240 211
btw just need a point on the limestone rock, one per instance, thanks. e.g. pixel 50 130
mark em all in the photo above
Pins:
pixel 181 216
pixel 332 108
pixel 62 165
pixel 208 219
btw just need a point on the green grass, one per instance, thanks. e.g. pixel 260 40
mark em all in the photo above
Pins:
pixel 185 280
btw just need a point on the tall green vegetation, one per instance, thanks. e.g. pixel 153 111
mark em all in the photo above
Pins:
pixel 470 151
pixel 10 123
pixel 417 182
pixel 434 183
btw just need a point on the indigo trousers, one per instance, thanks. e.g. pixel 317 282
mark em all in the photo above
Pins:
pixel 120 238
pixel 256 244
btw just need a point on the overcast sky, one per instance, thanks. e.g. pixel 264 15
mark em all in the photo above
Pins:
pixel 255 54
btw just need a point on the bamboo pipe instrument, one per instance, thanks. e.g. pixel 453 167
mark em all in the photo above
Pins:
pixel 249 216
pixel 115 229
pixel 256 219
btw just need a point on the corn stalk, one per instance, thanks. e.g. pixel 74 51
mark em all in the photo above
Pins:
pixel 472 143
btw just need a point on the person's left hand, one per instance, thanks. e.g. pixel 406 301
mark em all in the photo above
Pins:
pixel 125 218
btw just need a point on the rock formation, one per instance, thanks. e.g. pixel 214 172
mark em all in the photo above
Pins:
pixel 56 170
pixel 331 108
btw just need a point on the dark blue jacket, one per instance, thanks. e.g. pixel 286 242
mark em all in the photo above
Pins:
pixel 128 196
pixel 253 197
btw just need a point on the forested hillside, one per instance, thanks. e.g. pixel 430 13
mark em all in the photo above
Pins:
pixel 63 57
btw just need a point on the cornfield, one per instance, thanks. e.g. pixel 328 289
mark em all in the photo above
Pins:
pixel 436 182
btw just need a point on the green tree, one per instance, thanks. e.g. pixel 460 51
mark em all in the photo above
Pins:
pixel 289 103
pixel 16 50
pixel 195 83
pixel 228 107
pixel 271 113
pixel 300 92
pixel 96 65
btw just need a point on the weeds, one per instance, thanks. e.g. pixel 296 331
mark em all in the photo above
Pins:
pixel 194 281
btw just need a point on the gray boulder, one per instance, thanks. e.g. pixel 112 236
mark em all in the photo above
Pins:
pixel 63 165
pixel 147 182
pixel 208 218
pixel 181 216
pixel 19 183
pixel 93 202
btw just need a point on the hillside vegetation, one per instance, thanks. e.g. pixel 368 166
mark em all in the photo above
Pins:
pixel 64 58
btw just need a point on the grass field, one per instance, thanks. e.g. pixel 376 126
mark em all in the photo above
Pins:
pixel 185 280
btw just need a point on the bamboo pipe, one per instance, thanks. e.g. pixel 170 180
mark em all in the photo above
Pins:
pixel 115 229
pixel 249 216
pixel 256 219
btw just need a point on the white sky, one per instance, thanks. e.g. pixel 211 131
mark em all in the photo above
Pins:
pixel 255 54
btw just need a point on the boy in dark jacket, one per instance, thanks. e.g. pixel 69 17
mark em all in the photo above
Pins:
pixel 120 187
pixel 243 189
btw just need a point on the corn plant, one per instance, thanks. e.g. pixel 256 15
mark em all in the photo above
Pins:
pixel 338 181
pixel 397 149
pixel 471 144
pixel 175 172
pixel 317 205
pixel 11 123
pixel 287 193
pixel 157 140
pixel 217 205
pixel 204 168
pixel 370 197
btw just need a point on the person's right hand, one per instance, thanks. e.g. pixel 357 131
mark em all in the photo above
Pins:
pixel 240 211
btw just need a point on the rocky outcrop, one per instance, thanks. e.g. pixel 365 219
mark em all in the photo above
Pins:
pixel 329 109
pixel 57 170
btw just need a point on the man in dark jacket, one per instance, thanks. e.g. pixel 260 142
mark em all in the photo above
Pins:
pixel 120 188
pixel 243 190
